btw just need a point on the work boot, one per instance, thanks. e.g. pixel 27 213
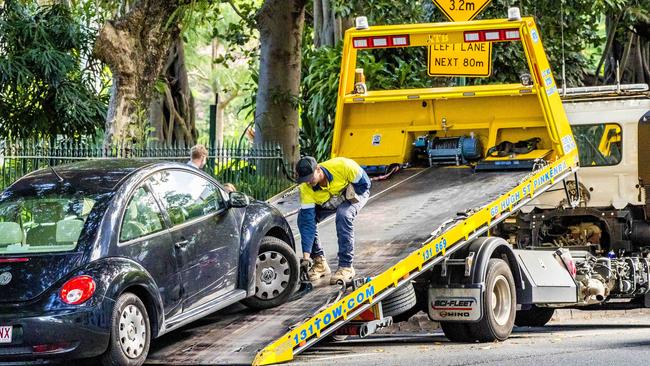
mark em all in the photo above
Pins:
pixel 344 274
pixel 319 269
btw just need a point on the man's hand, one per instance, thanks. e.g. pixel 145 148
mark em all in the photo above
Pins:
pixel 350 194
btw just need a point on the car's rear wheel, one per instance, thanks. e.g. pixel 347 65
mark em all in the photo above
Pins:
pixel 276 274
pixel 130 333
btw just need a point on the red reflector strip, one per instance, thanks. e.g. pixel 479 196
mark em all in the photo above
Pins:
pixel 381 42
pixel 14 260
pixel 492 35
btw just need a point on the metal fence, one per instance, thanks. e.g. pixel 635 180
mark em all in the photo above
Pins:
pixel 259 171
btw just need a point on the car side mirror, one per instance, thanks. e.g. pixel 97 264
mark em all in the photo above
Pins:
pixel 238 199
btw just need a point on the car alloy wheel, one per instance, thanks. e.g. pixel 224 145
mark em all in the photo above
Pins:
pixel 273 275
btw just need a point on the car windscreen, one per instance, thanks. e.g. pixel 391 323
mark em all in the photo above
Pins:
pixel 43 223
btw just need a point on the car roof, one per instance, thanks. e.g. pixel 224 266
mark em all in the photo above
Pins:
pixel 90 176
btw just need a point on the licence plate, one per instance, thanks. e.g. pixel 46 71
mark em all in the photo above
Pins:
pixel 5 334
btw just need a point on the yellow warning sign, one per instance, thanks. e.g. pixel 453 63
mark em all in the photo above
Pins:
pixel 461 10
pixel 448 57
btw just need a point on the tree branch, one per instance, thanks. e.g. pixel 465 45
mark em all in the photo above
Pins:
pixel 243 16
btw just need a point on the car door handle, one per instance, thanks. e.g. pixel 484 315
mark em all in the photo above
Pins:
pixel 181 244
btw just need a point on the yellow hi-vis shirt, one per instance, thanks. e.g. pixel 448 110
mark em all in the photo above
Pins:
pixel 343 171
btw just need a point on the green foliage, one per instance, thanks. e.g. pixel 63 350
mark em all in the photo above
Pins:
pixel 580 27
pixel 319 87
pixel 386 11
pixel 47 74
pixel 232 71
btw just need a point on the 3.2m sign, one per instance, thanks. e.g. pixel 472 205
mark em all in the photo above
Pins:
pixel 461 10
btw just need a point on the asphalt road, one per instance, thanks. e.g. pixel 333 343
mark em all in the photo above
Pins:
pixel 571 338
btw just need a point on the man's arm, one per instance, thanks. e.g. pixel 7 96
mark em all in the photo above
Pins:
pixel 361 182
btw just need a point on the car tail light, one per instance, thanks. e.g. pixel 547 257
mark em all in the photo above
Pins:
pixel 382 41
pixel 492 35
pixel 51 348
pixel 14 260
pixel 77 290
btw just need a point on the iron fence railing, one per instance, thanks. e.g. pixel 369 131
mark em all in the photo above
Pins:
pixel 258 170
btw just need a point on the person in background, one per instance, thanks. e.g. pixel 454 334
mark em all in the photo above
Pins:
pixel 337 186
pixel 229 187
pixel 198 157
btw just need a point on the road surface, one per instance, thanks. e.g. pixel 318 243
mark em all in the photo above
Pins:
pixel 571 338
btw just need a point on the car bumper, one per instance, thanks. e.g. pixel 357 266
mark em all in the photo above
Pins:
pixel 70 334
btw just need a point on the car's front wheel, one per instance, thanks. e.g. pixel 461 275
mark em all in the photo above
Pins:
pixel 130 333
pixel 276 274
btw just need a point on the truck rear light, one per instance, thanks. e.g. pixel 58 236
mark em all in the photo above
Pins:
pixel 492 35
pixel 380 42
pixel 513 35
pixel 360 43
pixel 402 40
pixel 77 290
pixel 472 36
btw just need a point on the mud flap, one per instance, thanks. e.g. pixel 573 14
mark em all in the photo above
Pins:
pixel 455 304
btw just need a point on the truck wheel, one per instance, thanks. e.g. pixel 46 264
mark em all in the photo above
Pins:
pixel 457 332
pixel 276 274
pixel 130 333
pixel 400 301
pixel 534 317
pixel 499 304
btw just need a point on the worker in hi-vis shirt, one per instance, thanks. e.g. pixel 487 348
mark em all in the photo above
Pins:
pixel 338 186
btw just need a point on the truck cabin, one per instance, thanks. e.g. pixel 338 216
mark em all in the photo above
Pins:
pixel 480 121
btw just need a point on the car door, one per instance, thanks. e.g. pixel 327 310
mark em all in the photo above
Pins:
pixel 144 237
pixel 205 232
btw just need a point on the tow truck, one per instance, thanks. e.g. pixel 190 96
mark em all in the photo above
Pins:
pixel 424 241
pixel 608 233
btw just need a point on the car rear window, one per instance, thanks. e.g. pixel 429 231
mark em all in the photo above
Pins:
pixel 42 224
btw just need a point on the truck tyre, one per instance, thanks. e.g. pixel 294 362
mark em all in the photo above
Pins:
pixel 400 301
pixel 534 317
pixel 499 304
pixel 457 332
pixel 276 274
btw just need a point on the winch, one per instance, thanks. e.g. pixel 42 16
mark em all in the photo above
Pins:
pixel 448 150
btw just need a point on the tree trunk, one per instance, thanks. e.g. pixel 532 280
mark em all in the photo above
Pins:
pixel 280 23
pixel 172 112
pixel 328 28
pixel 135 47
pixel 629 51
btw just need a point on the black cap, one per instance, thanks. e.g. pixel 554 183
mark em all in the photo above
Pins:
pixel 305 169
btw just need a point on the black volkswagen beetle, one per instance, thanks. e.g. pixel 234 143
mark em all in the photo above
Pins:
pixel 99 257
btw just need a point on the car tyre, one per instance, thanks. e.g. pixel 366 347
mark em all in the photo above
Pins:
pixel 130 333
pixel 277 274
